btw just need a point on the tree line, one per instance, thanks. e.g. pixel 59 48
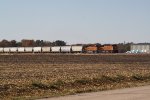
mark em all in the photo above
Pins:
pixel 30 43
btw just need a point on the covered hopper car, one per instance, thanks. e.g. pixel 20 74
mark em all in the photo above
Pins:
pixel 76 49
pixel 21 49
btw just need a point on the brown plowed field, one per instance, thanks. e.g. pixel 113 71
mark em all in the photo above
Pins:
pixel 30 76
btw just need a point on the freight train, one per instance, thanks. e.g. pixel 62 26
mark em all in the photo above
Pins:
pixel 62 49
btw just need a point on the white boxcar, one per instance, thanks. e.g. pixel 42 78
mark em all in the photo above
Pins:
pixel 1 49
pixel 37 49
pixel 46 49
pixel 28 49
pixel 77 48
pixel 65 48
pixel 7 49
pixel 55 49
pixel 21 49
pixel 13 49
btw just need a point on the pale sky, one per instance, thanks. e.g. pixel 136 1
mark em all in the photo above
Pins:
pixel 76 21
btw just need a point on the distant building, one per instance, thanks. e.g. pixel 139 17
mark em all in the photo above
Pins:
pixel 140 48
pixel 27 43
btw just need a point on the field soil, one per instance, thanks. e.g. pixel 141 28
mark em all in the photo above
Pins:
pixel 32 76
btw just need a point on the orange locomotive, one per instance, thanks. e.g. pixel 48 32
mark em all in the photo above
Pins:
pixel 108 49
pixel 90 49
pixel 100 49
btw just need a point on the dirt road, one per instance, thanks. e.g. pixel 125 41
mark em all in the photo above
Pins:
pixel 139 93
